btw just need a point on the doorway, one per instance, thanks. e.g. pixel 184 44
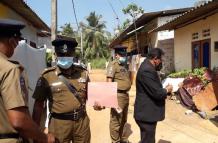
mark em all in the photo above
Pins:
pixel 201 54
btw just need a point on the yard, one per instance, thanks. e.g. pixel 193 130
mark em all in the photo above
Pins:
pixel 176 128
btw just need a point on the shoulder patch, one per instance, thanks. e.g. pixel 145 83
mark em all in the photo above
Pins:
pixel 48 70
pixel 14 62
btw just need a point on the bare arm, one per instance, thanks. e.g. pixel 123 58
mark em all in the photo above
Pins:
pixel 20 119
pixel 37 111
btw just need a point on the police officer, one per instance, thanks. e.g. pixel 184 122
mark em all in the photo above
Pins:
pixel 65 86
pixel 117 72
pixel 15 121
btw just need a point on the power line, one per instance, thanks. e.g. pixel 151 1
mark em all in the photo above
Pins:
pixel 114 12
pixel 81 36
pixel 75 14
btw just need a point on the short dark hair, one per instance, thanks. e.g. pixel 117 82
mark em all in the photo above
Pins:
pixel 155 52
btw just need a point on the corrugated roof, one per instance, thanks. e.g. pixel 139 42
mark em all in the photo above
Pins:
pixel 195 14
pixel 144 19
pixel 27 13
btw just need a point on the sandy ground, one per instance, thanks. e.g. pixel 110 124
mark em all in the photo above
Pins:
pixel 176 128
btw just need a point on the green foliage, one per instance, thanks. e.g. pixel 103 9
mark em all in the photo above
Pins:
pixel 180 74
pixel 133 10
pixel 125 24
pixel 48 59
pixel 94 21
pixel 67 30
pixel 98 63
pixel 199 72
pixel 96 39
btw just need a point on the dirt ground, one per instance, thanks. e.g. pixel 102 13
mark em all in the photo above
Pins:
pixel 176 128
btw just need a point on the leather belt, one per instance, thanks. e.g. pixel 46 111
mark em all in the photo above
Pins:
pixel 9 135
pixel 74 115
pixel 122 91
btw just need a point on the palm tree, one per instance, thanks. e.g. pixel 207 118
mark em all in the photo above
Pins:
pixel 96 38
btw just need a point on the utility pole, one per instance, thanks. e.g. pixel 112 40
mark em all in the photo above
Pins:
pixel 136 35
pixel 53 25
pixel 81 40
pixel 53 19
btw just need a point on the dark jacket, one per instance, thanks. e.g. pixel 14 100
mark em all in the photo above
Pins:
pixel 150 95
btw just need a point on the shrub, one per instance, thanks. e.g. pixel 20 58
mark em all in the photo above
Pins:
pixel 98 63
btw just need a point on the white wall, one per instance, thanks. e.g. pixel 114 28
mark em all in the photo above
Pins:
pixel 163 35
pixel 45 41
pixel 183 41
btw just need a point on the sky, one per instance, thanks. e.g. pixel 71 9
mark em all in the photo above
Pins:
pixel 101 7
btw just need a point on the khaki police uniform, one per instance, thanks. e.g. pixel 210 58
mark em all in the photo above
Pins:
pixel 13 94
pixel 63 102
pixel 120 74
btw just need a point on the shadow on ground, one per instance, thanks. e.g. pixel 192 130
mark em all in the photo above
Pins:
pixel 214 120
pixel 163 141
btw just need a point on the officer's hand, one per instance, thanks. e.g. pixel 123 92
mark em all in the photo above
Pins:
pixel 169 88
pixel 51 138
pixel 46 130
pixel 98 107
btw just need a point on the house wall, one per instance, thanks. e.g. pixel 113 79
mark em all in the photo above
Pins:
pixel 183 41
pixel 130 43
pixel 168 58
pixel 165 41
pixel 29 32
pixel 45 41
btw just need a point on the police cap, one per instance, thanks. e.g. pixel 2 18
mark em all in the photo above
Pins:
pixel 10 28
pixel 120 49
pixel 64 45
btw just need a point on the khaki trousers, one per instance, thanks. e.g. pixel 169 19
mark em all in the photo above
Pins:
pixel 118 120
pixel 67 131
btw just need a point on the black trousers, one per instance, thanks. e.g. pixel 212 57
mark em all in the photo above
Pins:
pixel 147 130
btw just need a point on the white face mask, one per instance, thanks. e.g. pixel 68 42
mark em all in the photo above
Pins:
pixel 65 62
pixel 123 60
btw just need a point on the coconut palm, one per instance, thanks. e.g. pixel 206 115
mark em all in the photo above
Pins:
pixel 95 37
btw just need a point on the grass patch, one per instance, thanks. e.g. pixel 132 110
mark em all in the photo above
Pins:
pixel 98 63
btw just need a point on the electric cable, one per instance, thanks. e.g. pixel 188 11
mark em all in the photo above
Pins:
pixel 74 11
pixel 114 11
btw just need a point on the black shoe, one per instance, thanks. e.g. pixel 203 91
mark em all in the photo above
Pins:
pixel 124 142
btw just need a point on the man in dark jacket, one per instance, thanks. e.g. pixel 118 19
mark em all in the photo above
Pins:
pixel 150 96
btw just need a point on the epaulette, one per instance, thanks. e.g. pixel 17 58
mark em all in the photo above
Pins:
pixel 48 70
pixel 14 62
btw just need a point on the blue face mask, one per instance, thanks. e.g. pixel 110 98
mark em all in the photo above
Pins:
pixel 123 60
pixel 65 62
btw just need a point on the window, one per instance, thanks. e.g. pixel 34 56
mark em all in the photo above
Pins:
pixel 216 46
pixel 206 32
pixel 194 36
